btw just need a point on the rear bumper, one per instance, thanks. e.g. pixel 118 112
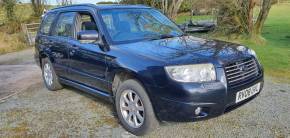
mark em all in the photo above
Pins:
pixel 214 99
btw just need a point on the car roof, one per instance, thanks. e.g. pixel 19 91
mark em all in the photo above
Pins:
pixel 98 6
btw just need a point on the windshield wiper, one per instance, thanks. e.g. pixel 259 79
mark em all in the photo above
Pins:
pixel 164 36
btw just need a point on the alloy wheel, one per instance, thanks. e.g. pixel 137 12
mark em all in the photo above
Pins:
pixel 47 73
pixel 132 108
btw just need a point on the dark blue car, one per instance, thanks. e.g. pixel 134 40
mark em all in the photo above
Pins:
pixel 139 60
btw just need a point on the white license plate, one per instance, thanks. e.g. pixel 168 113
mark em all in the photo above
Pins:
pixel 246 93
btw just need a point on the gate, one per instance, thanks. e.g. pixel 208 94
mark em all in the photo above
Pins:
pixel 30 31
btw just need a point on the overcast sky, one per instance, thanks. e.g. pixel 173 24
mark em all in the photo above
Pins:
pixel 53 2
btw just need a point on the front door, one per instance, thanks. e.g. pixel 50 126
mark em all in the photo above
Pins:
pixel 87 61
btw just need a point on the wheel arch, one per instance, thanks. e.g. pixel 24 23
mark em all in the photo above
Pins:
pixel 42 55
pixel 120 75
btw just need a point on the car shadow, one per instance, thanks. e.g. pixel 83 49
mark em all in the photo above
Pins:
pixel 99 100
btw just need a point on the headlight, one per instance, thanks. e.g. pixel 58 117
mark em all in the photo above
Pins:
pixel 192 73
pixel 252 52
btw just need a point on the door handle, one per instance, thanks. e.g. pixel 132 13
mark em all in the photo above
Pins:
pixel 73 50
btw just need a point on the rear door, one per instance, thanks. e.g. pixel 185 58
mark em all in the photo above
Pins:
pixel 62 35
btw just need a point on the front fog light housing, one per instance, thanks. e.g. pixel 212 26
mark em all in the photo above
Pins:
pixel 192 73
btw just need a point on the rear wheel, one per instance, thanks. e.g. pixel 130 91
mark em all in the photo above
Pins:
pixel 50 78
pixel 134 108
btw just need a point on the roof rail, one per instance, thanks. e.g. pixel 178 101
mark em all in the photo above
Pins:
pixel 74 5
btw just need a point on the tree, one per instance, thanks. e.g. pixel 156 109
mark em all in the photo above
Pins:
pixel 237 17
pixel 171 8
pixel 9 6
pixel 266 6
pixel 38 7
pixel 64 2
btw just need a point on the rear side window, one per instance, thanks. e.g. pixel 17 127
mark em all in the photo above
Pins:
pixel 65 25
pixel 46 23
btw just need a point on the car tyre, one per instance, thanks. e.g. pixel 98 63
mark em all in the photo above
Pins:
pixel 139 101
pixel 49 76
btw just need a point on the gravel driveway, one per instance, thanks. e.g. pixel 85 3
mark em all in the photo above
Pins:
pixel 27 109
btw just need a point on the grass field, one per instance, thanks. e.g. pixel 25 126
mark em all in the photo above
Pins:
pixel 275 54
pixel 184 17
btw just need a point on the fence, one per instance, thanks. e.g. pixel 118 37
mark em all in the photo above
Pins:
pixel 30 31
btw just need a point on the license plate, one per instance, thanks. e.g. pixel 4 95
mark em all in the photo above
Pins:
pixel 247 93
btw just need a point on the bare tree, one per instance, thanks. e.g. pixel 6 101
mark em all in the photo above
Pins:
pixel 237 17
pixel 38 7
pixel 64 2
pixel 171 7
pixel 266 6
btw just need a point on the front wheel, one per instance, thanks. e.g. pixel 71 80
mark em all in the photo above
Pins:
pixel 134 108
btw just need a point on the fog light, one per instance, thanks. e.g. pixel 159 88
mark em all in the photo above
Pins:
pixel 197 111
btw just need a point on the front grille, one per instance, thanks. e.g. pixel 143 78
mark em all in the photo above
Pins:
pixel 241 71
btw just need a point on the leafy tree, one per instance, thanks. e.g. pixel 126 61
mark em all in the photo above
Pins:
pixel 9 6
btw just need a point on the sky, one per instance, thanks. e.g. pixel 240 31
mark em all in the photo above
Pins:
pixel 53 2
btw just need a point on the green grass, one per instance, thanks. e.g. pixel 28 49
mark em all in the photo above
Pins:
pixel 275 54
pixel 184 17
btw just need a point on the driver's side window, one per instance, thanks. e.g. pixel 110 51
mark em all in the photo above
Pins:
pixel 86 22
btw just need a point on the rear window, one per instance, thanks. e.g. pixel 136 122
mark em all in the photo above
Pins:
pixel 46 23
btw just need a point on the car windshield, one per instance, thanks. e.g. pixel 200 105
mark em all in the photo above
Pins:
pixel 138 24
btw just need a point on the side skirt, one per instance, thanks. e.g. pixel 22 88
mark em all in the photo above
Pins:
pixel 87 89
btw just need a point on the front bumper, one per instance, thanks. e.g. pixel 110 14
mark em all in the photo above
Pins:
pixel 178 103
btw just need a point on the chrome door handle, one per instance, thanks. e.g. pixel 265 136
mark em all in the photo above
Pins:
pixel 73 50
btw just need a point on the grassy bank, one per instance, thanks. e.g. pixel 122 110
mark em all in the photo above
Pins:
pixel 275 55
pixel 11 37
pixel 11 42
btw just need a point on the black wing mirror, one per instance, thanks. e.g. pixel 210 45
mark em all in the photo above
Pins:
pixel 90 35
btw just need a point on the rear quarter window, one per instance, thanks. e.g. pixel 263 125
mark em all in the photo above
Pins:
pixel 46 23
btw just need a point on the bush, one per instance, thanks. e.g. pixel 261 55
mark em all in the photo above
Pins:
pixel 9 8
